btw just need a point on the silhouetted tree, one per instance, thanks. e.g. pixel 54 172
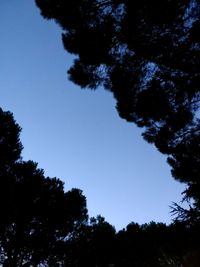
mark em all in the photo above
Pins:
pixel 92 246
pixel 148 54
pixel 149 245
pixel 10 145
pixel 37 215
pixel 153 244
pixel 185 162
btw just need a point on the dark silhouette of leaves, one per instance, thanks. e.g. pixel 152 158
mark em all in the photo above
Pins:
pixel 37 215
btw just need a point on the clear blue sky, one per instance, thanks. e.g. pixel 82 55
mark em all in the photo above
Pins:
pixel 77 135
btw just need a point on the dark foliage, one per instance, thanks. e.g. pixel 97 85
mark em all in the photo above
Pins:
pixel 148 54
pixel 36 214
pixel 10 145
pixel 148 245
pixel 92 246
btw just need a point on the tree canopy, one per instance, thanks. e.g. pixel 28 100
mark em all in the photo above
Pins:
pixel 147 54
pixel 146 245
pixel 37 215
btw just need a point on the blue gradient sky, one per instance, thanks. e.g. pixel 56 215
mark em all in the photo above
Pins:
pixel 76 135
